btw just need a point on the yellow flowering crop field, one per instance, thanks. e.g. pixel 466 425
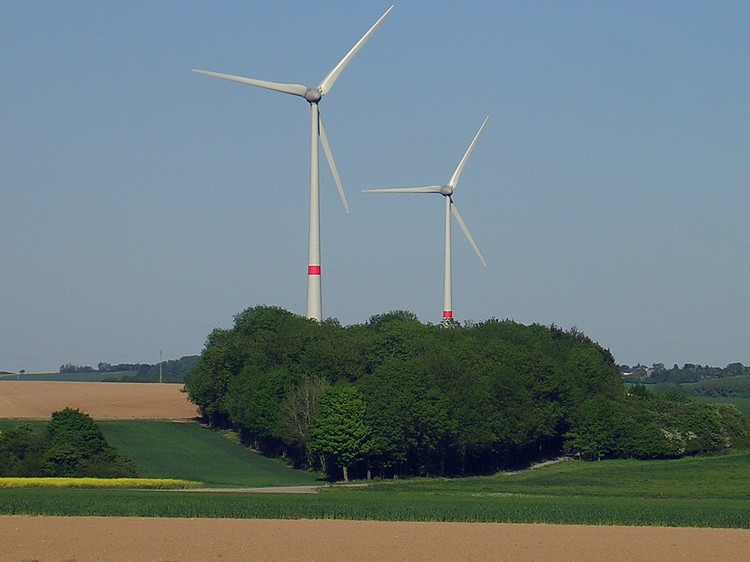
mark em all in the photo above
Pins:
pixel 129 483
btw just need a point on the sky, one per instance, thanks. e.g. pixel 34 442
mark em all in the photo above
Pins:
pixel 143 205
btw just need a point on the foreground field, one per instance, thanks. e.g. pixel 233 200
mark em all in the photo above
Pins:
pixel 94 539
pixel 695 492
pixel 100 400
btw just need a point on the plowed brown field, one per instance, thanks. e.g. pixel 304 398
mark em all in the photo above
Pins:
pixel 81 539
pixel 100 400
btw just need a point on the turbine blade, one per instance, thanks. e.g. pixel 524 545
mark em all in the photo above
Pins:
pixel 457 174
pixel 294 89
pixel 331 163
pixel 425 189
pixel 463 226
pixel 327 83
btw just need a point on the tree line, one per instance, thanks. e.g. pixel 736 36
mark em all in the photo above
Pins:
pixel 396 397
pixel 692 379
pixel 689 373
pixel 173 370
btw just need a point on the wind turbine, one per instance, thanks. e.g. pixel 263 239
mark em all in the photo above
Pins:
pixel 313 96
pixel 450 208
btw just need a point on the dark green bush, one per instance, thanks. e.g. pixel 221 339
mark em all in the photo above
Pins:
pixel 72 445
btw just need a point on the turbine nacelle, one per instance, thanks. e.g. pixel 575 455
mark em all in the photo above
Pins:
pixel 446 190
pixel 313 95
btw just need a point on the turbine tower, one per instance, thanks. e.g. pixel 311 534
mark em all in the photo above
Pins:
pixel 450 209
pixel 313 96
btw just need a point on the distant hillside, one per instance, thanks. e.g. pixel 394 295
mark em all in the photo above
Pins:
pixel 173 371
pixel 691 379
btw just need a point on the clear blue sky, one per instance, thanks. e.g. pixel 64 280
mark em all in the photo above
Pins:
pixel 143 205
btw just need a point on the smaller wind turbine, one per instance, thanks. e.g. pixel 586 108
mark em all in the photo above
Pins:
pixel 450 208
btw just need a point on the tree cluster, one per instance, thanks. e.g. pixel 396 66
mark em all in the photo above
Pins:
pixel 395 397
pixel 104 367
pixel 646 425
pixel 71 368
pixel 173 370
pixel 71 445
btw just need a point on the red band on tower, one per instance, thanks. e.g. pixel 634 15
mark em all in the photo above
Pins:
pixel 313 270
pixel 447 314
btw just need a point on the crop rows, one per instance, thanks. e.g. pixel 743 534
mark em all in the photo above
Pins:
pixel 363 506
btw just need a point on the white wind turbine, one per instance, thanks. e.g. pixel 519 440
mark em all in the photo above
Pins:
pixel 313 97
pixel 450 208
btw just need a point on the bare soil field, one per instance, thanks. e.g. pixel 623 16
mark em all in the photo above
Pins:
pixel 100 400
pixel 82 539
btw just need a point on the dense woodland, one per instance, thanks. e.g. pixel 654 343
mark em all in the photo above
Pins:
pixel 395 397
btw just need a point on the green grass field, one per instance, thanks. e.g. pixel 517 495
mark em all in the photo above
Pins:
pixel 722 477
pixel 188 451
pixel 6 424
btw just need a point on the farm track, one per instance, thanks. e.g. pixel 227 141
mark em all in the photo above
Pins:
pixel 259 490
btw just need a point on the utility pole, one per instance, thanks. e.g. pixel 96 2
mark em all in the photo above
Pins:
pixel 160 361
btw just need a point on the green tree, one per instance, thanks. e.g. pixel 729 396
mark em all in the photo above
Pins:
pixel 594 436
pixel 339 432
pixel 77 448
pixel 21 451
pixel 207 385
pixel 254 404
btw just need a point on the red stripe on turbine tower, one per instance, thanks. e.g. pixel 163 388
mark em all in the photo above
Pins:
pixel 313 270
pixel 447 314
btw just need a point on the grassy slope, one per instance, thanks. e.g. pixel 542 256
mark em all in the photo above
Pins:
pixel 188 451
pixel 163 449
pixel 725 476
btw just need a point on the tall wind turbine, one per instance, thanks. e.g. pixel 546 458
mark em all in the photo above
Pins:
pixel 450 208
pixel 313 97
